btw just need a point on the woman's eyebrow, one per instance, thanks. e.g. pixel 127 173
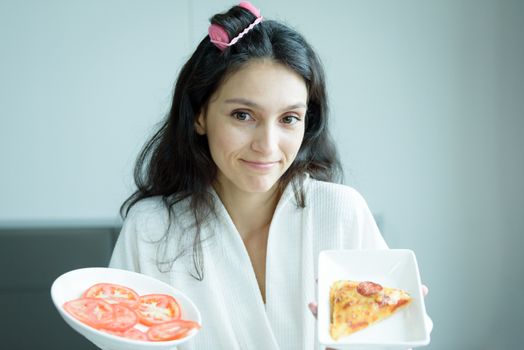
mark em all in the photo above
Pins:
pixel 252 104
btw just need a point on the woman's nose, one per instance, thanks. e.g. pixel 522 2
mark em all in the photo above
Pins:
pixel 265 139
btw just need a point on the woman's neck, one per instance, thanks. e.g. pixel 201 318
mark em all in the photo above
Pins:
pixel 250 212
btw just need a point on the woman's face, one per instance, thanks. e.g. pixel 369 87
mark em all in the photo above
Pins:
pixel 255 125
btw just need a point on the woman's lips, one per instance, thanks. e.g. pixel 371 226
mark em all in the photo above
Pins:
pixel 260 165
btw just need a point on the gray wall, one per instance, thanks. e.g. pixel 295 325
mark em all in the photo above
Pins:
pixel 428 111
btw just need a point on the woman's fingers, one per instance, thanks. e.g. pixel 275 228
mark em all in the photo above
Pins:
pixel 313 308
pixel 425 290
pixel 429 322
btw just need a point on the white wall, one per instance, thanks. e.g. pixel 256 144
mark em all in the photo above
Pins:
pixel 428 111
pixel 82 84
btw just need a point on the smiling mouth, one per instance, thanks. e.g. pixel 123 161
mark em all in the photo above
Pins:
pixel 260 165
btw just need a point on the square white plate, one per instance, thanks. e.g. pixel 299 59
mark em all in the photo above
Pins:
pixel 395 268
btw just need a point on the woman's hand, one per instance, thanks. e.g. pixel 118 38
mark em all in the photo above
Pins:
pixel 425 290
pixel 314 309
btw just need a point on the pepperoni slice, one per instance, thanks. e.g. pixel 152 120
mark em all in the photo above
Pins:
pixel 368 288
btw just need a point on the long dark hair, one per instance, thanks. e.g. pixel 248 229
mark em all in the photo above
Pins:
pixel 176 163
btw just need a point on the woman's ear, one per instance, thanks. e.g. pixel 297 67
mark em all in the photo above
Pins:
pixel 200 124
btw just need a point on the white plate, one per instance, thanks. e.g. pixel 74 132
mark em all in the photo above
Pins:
pixel 396 268
pixel 71 285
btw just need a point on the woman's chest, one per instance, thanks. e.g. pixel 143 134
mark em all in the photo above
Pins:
pixel 256 248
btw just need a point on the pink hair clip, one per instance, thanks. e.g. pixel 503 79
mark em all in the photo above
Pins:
pixel 219 36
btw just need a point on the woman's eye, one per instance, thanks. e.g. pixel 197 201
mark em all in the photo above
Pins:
pixel 241 116
pixel 290 119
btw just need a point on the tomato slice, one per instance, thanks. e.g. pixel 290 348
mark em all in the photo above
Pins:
pixel 99 314
pixel 136 334
pixel 157 308
pixel 171 330
pixel 93 312
pixel 131 333
pixel 113 294
pixel 123 319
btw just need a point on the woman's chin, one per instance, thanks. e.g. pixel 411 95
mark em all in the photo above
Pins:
pixel 260 186
pixel 248 184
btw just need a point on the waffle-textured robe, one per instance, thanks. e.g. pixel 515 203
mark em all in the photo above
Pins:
pixel 234 315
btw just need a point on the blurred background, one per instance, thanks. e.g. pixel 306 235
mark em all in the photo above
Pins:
pixel 427 107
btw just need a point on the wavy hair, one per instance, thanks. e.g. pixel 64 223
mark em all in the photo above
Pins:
pixel 176 163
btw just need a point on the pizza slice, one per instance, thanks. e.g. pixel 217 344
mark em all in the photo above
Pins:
pixel 356 305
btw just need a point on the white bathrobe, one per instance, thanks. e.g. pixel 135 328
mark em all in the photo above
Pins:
pixel 234 315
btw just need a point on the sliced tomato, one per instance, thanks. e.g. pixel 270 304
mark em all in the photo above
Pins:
pixel 113 294
pixel 136 334
pixel 99 314
pixel 154 309
pixel 94 312
pixel 131 333
pixel 123 319
pixel 171 330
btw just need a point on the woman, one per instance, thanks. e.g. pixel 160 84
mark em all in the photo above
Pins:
pixel 236 191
